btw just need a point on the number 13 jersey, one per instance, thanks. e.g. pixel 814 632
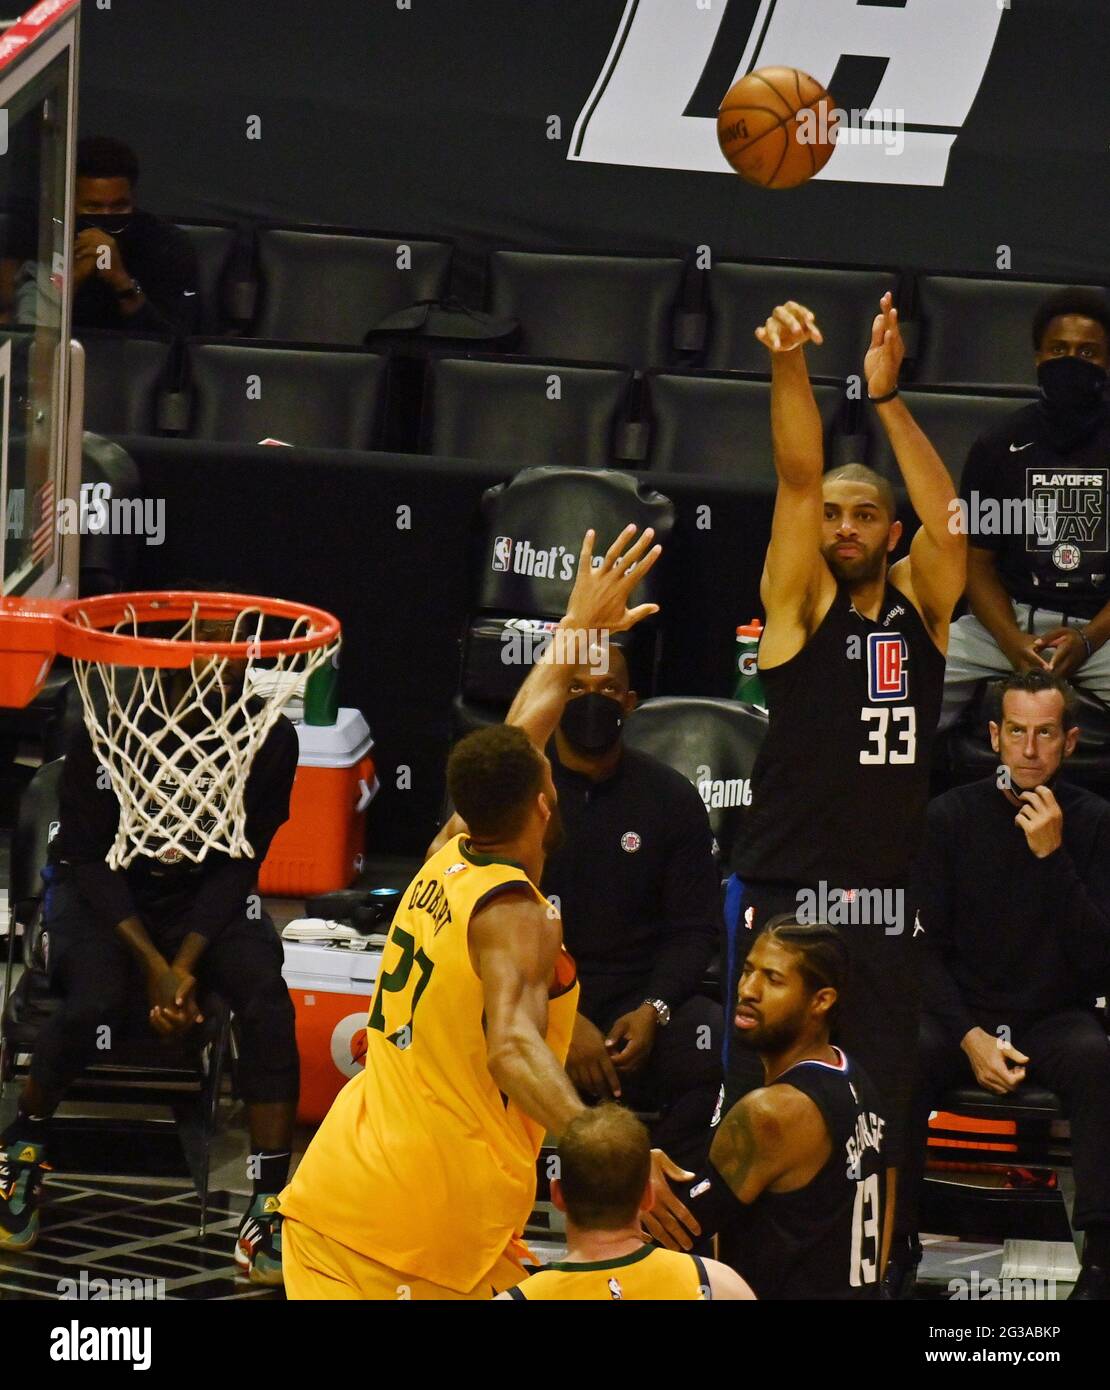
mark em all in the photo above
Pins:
pixel 840 785
pixel 421 1163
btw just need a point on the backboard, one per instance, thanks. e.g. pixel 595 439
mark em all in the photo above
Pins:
pixel 40 370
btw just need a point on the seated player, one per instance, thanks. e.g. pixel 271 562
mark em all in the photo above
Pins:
pixel 795 1184
pixel 604 1185
pixel 419 1181
pixel 1014 895
pixel 162 932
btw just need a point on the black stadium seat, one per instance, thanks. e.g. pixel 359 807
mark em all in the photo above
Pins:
pixel 303 396
pixel 123 375
pixel 952 422
pixel 532 532
pixel 742 296
pixel 719 425
pixel 522 414
pixel 332 287
pixel 977 332
pixel 713 743
pixel 589 308
pixel 213 243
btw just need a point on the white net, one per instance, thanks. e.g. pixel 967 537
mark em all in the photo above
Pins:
pixel 177 745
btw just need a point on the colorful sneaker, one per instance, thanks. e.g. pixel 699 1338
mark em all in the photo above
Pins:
pixel 21 1170
pixel 258 1249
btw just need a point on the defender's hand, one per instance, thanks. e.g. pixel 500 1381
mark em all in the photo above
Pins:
pixel 791 325
pixel 599 600
pixel 884 356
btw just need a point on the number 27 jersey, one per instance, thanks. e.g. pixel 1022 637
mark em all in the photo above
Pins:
pixel 421 1163
pixel 840 785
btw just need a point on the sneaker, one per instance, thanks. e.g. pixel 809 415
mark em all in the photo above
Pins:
pixel 258 1249
pixel 21 1170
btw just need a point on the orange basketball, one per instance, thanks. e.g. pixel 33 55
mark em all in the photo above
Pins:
pixel 777 127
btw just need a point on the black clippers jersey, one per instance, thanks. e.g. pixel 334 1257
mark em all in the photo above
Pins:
pixel 840 784
pixel 823 1241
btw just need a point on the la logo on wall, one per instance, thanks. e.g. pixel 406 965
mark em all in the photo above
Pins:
pixel 655 101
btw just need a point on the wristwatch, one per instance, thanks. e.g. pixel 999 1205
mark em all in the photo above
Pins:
pixel 662 1011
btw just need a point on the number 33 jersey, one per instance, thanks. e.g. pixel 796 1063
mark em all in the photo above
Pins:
pixel 840 784
pixel 422 1164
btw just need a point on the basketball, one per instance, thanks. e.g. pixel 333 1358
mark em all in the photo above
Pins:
pixel 777 127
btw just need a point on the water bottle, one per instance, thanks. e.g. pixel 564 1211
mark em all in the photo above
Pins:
pixel 749 688
pixel 321 695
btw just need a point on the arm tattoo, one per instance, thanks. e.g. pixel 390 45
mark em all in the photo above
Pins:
pixel 734 1149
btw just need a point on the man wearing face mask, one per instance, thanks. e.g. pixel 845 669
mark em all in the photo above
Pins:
pixel 639 895
pixel 1040 594
pixel 1013 883
pixel 132 271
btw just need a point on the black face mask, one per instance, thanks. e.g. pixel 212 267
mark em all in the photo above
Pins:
pixel 116 224
pixel 1071 386
pixel 592 723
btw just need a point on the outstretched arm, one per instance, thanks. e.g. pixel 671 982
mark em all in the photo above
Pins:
pixel 597 608
pixel 938 555
pixel 793 565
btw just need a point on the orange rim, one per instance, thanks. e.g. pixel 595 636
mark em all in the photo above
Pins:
pixel 82 627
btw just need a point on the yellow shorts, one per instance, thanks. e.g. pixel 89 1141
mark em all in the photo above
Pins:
pixel 316 1267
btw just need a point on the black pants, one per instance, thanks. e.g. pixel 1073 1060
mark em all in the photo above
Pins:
pixel 1068 1053
pixel 877 1022
pixel 102 988
pixel 680 1080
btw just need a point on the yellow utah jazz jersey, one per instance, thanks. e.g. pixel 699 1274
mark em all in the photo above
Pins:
pixel 648 1273
pixel 422 1164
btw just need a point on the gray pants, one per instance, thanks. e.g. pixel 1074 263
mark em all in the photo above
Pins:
pixel 973 655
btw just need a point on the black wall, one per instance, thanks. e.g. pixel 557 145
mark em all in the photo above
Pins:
pixel 432 119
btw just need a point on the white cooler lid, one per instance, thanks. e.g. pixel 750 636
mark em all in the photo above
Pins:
pixel 330 969
pixel 341 744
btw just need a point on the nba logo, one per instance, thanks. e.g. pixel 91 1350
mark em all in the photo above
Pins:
pixel 886 666
pixel 502 550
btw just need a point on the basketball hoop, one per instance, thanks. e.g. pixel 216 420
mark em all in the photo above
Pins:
pixel 175 717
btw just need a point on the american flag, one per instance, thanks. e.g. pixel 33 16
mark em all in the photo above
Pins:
pixel 42 535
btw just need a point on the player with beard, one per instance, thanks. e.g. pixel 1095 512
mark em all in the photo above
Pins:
pixel 795 1174
pixel 419 1181
pixel 852 661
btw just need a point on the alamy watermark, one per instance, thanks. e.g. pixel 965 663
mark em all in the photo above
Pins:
pixel 525 641
pixel 874 125
pixel 853 907
pixel 1001 1289
pixel 85 1288
pixel 977 515
pixel 95 512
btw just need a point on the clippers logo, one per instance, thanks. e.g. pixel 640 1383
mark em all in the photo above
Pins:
pixel 502 554
pixel 886 667
pixel 655 100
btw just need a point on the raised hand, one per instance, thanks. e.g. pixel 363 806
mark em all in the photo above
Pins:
pixel 791 325
pixel 884 356
pixel 599 599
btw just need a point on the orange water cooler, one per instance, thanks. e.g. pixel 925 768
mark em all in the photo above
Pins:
pixel 330 987
pixel 319 849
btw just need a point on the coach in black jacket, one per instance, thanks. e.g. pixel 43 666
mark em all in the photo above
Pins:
pixel 1013 885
